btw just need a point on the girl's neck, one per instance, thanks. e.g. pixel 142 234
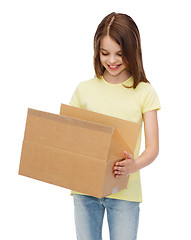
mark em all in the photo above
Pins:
pixel 122 77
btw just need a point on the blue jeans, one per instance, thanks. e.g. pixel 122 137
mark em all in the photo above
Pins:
pixel 122 216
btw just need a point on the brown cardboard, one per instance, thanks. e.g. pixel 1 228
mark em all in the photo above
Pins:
pixel 77 149
pixel 127 130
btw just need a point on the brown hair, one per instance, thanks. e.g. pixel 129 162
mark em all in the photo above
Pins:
pixel 123 30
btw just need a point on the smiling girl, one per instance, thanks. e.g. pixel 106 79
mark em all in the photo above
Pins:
pixel 120 89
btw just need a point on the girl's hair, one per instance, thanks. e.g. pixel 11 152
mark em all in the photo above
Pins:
pixel 123 30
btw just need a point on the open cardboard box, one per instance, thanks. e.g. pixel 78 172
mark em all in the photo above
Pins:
pixel 76 149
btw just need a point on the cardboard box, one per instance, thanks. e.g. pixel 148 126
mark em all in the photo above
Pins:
pixel 77 149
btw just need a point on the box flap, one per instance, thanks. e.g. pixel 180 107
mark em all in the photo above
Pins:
pixel 128 130
pixel 117 147
pixel 70 134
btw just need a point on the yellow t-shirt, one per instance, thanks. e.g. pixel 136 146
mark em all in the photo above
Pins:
pixel 118 101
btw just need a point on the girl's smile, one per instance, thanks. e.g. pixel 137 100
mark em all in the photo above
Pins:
pixel 115 67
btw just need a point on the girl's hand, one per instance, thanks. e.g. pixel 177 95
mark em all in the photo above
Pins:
pixel 125 167
pixel 129 164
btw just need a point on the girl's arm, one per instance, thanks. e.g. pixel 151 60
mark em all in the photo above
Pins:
pixel 129 164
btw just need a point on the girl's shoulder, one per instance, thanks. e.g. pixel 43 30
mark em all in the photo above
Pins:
pixel 144 86
pixel 88 83
pixel 144 89
pixel 147 96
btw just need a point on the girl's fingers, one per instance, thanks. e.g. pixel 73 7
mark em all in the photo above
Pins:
pixel 120 164
pixel 119 175
pixel 127 154
pixel 119 170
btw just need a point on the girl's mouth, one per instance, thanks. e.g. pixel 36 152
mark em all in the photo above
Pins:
pixel 114 67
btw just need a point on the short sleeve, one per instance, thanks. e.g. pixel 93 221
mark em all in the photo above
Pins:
pixel 75 100
pixel 150 101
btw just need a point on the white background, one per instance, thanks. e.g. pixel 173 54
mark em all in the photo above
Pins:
pixel 46 49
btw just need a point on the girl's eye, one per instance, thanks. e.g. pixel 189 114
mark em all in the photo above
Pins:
pixel 104 54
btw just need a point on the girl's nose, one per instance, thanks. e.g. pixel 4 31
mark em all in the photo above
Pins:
pixel 112 59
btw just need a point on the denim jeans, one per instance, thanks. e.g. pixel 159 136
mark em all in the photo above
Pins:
pixel 122 216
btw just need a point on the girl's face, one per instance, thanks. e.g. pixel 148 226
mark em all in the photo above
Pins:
pixel 111 57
